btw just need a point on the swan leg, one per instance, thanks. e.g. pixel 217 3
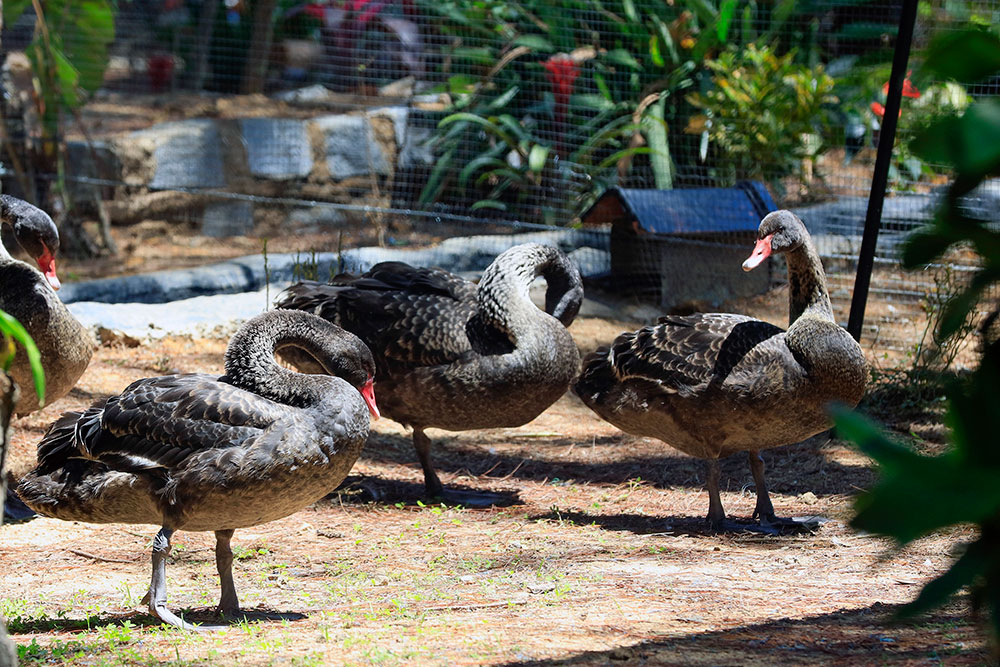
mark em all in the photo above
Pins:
pixel 229 604
pixel 716 513
pixel 433 488
pixel 432 483
pixel 157 595
pixel 764 510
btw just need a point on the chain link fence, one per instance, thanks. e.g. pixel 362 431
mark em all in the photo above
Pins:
pixel 418 124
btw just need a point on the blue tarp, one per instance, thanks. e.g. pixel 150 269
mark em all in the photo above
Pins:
pixel 696 210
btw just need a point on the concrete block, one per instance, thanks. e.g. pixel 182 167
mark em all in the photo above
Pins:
pixel 350 147
pixel 277 148
pixel 187 153
pixel 228 218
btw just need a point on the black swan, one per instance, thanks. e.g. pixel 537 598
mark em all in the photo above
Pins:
pixel 454 355
pixel 199 452
pixel 27 295
pixel 712 385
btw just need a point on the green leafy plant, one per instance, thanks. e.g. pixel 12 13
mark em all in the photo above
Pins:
pixel 68 56
pixel 553 102
pixel 13 332
pixel 919 494
pixel 765 112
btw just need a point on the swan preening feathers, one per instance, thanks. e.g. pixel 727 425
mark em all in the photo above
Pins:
pixel 198 452
pixel 454 355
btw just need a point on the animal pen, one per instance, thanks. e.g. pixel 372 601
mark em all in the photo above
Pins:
pixel 402 124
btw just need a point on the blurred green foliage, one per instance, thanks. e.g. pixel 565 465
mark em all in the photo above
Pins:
pixel 765 112
pixel 919 494
pixel 68 54
pixel 509 139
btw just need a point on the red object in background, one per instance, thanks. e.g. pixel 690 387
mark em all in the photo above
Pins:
pixel 909 90
pixel 160 68
pixel 561 73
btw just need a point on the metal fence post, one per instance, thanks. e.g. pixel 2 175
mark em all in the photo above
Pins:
pixel 887 136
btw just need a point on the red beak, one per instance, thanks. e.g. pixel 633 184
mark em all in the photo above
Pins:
pixel 761 251
pixel 47 265
pixel 368 393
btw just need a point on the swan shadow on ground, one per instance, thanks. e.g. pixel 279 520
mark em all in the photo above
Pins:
pixel 645 524
pixel 205 616
pixel 869 635
pixel 367 489
pixel 793 470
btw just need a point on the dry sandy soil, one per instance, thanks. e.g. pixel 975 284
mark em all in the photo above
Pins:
pixel 603 557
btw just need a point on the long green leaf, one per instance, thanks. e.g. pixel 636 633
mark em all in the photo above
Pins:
pixel 485 123
pixel 655 129
pixel 726 13
pixel 475 165
pixel 11 327
pixel 488 203
pixel 537 157
pixel 435 182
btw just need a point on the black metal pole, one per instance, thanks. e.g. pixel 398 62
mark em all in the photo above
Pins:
pixel 887 136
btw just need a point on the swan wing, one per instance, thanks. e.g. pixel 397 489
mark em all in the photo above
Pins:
pixel 409 317
pixel 684 352
pixel 160 422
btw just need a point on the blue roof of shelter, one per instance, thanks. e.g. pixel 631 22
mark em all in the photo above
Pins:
pixel 693 210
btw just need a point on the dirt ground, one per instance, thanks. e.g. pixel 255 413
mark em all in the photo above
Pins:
pixel 603 557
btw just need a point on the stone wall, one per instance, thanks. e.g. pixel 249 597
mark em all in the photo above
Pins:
pixel 342 158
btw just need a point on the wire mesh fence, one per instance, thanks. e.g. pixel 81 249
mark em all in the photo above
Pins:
pixel 400 124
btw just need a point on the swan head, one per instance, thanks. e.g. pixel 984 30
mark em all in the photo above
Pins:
pixel 356 365
pixel 779 231
pixel 35 232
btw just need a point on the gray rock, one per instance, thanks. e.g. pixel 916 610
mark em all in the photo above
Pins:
pixel 317 216
pixel 310 95
pixel 277 148
pixel 237 275
pixel 227 218
pixel 350 147
pixel 415 149
pixel 188 153
pixel 398 116
pixel 461 254
pixel 203 315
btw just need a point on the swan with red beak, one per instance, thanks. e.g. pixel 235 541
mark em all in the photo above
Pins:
pixel 35 232
pixel 30 297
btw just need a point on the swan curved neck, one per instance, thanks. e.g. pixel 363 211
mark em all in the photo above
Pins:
pixel 807 284
pixel 503 292
pixel 250 362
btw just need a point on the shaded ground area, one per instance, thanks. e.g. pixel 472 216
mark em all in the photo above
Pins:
pixel 603 558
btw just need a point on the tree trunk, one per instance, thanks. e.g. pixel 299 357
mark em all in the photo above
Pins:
pixel 260 47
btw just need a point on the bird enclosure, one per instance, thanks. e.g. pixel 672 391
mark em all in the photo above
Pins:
pixel 334 125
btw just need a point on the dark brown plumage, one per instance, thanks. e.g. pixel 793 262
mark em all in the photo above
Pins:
pixel 28 295
pixel 716 384
pixel 454 355
pixel 199 452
